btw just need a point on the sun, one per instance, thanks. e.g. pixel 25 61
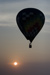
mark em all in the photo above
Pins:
pixel 15 63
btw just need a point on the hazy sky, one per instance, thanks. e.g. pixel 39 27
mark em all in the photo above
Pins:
pixel 15 47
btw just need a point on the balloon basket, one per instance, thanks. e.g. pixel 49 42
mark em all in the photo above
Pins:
pixel 30 46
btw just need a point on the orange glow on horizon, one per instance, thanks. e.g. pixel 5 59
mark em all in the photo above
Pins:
pixel 14 64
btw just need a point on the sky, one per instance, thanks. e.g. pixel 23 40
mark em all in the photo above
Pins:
pixel 15 47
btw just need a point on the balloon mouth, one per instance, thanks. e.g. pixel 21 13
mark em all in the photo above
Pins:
pixel 30 46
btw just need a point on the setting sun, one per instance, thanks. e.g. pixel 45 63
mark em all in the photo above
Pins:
pixel 15 63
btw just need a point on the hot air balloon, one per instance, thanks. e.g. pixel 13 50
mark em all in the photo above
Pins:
pixel 30 21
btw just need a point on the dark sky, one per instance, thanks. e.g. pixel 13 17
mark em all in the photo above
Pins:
pixel 2 1
pixel 26 69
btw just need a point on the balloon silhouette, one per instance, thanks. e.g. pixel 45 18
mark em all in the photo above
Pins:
pixel 30 21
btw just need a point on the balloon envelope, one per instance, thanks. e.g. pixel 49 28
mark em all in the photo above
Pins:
pixel 30 21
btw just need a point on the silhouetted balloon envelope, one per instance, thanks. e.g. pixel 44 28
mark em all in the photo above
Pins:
pixel 30 21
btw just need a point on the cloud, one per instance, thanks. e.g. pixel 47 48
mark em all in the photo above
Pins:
pixel 7 19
